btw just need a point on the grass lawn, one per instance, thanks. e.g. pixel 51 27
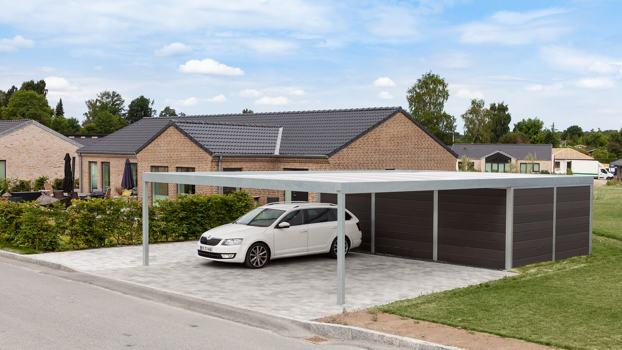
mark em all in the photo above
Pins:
pixel 573 303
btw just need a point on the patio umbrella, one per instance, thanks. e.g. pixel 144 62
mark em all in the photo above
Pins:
pixel 127 181
pixel 68 180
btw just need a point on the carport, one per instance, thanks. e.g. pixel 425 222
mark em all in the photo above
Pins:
pixel 553 215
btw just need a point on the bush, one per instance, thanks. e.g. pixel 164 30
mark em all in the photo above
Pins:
pixel 98 222
pixel 39 182
pixel 57 184
pixel 21 186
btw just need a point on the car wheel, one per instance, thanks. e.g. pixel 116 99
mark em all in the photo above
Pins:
pixel 333 248
pixel 257 256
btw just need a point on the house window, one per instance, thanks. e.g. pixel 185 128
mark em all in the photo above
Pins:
pixel 498 167
pixel 159 190
pixel 229 190
pixel 134 168
pixel 2 169
pixel 105 176
pixel 529 168
pixel 184 188
pixel 92 176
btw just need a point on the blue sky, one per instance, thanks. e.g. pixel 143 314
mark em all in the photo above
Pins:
pixel 559 61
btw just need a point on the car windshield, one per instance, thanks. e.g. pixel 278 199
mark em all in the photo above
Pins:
pixel 262 217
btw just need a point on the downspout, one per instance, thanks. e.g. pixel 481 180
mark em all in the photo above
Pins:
pixel 81 181
pixel 219 170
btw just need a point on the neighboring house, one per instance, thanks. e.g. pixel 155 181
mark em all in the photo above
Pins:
pixel 372 138
pixel 618 168
pixel 29 150
pixel 85 139
pixel 564 157
pixel 524 158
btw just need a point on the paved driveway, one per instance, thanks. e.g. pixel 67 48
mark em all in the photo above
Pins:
pixel 303 288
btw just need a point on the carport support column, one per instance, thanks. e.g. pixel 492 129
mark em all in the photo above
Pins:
pixel 288 196
pixel 509 227
pixel 591 216
pixel 145 223
pixel 341 245
pixel 435 226
pixel 373 224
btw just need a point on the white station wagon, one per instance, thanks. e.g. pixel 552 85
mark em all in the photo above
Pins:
pixel 279 230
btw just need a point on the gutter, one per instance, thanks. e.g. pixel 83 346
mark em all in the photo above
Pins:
pixel 272 155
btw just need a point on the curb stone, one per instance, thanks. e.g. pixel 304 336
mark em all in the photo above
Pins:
pixel 276 323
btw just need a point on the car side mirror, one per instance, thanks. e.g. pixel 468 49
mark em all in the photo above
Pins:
pixel 283 224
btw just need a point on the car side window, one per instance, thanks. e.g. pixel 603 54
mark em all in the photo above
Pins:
pixel 317 215
pixel 332 215
pixel 294 218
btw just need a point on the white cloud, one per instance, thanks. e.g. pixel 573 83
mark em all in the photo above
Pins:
pixel 250 93
pixel 392 23
pixel 218 98
pixel 465 92
pixel 296 92
pixel 515 28
pixel 58 84
pixel 265 45
pixel 173 49
pixel 191 101
pixel 534 87
pixel 209 66
pixel 385 95
pixel 267 100
pixel 384 82
pixel 12 45
pixel 578 61
pixel 596 83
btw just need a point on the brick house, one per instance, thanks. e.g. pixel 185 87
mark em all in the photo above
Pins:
pixel 29 150
pixel 524 158
pixel 371 138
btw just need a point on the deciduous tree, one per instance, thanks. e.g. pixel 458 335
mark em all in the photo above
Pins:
pixel 110 101
pixel 27 104
pixel 141 107
pixel 500 120
pixel 477 122
pixel 168 112
pixel 36 86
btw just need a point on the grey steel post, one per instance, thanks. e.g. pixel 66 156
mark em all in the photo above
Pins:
pixel 373 224
pixel 288 196
pixel 554 221
pixel 591 215
pixel 341 247
pixel 319 197
pixel 435 227
pixel 145 224
pixel 509 227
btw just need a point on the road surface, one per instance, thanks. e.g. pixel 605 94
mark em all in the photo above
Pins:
pixel 39 310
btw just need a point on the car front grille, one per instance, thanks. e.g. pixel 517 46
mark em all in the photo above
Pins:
pixel 211 241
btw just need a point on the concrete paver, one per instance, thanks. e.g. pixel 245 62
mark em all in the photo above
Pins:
pixel 302 288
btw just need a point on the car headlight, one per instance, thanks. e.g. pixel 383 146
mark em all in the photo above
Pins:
pixel 232 241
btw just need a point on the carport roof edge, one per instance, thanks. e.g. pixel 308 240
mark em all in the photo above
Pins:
pixel 368 181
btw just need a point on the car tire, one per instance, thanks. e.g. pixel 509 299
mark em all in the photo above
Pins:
pixel 333 248
pixel 257 256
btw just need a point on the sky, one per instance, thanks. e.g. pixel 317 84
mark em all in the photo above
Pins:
pixel 560 61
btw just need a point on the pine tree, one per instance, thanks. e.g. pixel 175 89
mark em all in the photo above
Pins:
pixel 59 112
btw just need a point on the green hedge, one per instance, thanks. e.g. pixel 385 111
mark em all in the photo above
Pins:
pixel 98 223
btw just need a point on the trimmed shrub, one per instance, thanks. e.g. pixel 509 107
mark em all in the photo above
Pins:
pixel 21 186
pixel 39 182
pixel 37 229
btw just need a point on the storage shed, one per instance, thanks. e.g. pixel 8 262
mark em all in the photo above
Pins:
pixel 495 220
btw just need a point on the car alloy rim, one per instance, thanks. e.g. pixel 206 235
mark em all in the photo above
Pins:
pixel 336 244
pixel 259 256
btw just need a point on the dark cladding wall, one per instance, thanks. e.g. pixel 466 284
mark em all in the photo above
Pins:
pixel 573 222
pixel 471 227
pixel 533 226
pixel 403 221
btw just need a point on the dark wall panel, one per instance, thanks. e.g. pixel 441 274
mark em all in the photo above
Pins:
pixel 573 222
pixel 533 226
pixel 471 227
pixel 404 224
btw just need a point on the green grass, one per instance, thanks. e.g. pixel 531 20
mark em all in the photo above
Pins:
pixel 15 249
pixel 574 303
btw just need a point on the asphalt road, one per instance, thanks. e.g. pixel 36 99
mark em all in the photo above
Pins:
pixel 41 311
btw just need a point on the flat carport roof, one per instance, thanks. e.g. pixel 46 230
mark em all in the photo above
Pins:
pixel 350 182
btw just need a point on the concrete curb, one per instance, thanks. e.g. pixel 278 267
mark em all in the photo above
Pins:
pixel 275 323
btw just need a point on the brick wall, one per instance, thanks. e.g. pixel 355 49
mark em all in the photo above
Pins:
pixel 31 152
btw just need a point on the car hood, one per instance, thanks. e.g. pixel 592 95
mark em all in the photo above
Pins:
pixel 233 231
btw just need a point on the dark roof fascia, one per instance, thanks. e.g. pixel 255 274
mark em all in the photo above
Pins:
pixel 106 152
pixel 321 156
pixel 408 116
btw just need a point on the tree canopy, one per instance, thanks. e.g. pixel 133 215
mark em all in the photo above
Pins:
pixel 27 104
pixel 477 122
pixel 141 107
pixel 110 101
pixel 59 111
pixel 36 86
pixel 530 127
pixel 168 112
pixel 500 119
pixel 426 102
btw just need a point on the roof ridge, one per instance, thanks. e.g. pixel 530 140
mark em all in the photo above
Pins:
pixel 296 112
pixel 176 121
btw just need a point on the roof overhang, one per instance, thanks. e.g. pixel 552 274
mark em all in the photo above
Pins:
pixel 368 181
